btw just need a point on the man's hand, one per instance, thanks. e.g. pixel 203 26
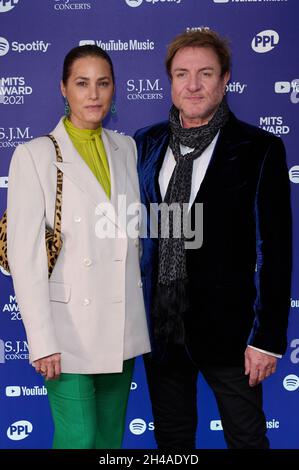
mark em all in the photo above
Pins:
pixel 258 365
pixel 49 366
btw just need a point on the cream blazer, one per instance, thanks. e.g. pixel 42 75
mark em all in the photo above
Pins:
pixel 91 310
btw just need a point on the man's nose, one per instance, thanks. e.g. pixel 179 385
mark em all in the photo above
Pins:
pixel 194 82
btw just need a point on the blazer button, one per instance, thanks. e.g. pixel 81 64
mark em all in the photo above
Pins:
pixel 139 283
pixel 86 302
pixel 77 218
pixel 87 262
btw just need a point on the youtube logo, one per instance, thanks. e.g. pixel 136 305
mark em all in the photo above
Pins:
pixel 13 391
pixel 282 87
pixel 3 181
pixel 216 425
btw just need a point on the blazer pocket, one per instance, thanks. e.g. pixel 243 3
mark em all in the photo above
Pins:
pixel 59 292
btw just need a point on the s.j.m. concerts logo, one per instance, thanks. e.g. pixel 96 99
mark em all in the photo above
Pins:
pixel 71 5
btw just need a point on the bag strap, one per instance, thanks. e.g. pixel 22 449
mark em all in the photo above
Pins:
pixel 58 201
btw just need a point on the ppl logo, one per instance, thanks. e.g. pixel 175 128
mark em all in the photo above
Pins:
pixel 265 41
pixel 19 430
pixel 6 5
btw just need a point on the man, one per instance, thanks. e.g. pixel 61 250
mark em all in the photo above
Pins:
pixel 220 309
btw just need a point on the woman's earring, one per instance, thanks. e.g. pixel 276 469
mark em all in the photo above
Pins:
pixel 67 108
pixel 113 108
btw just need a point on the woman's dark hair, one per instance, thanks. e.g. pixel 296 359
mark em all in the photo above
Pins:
pixel 89 50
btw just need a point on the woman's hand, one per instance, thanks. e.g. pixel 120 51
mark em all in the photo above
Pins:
pixel 49 366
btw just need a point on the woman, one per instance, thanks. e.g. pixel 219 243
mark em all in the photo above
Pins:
pixel 87 323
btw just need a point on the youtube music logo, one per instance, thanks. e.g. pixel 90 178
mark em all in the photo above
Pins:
pixel 282 87
pixel 286 87
pixel 216 425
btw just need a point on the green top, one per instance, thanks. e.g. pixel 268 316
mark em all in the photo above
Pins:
pixel 89 145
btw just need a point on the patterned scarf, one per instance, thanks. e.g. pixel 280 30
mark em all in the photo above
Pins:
pixel 171 300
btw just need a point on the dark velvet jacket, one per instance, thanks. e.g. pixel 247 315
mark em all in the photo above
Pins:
pixel 240 277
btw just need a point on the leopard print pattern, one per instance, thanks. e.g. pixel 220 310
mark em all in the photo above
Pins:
pixel 53 236
pixel 3 242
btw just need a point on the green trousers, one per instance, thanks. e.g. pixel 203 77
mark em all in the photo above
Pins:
pixel 89 410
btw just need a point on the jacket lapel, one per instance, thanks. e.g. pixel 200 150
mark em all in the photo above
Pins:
pixel 117 159
pixel 74 167
pixel 227 149
pixel 154 154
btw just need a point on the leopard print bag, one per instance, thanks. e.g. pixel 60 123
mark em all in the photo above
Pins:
pixel 53 236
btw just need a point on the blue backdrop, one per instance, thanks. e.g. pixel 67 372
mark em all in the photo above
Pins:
pixel 264 90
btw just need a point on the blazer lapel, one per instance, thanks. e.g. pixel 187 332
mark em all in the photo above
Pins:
pixel 117 159
pixel 74 167
pixel 155 151
pixel 226 150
